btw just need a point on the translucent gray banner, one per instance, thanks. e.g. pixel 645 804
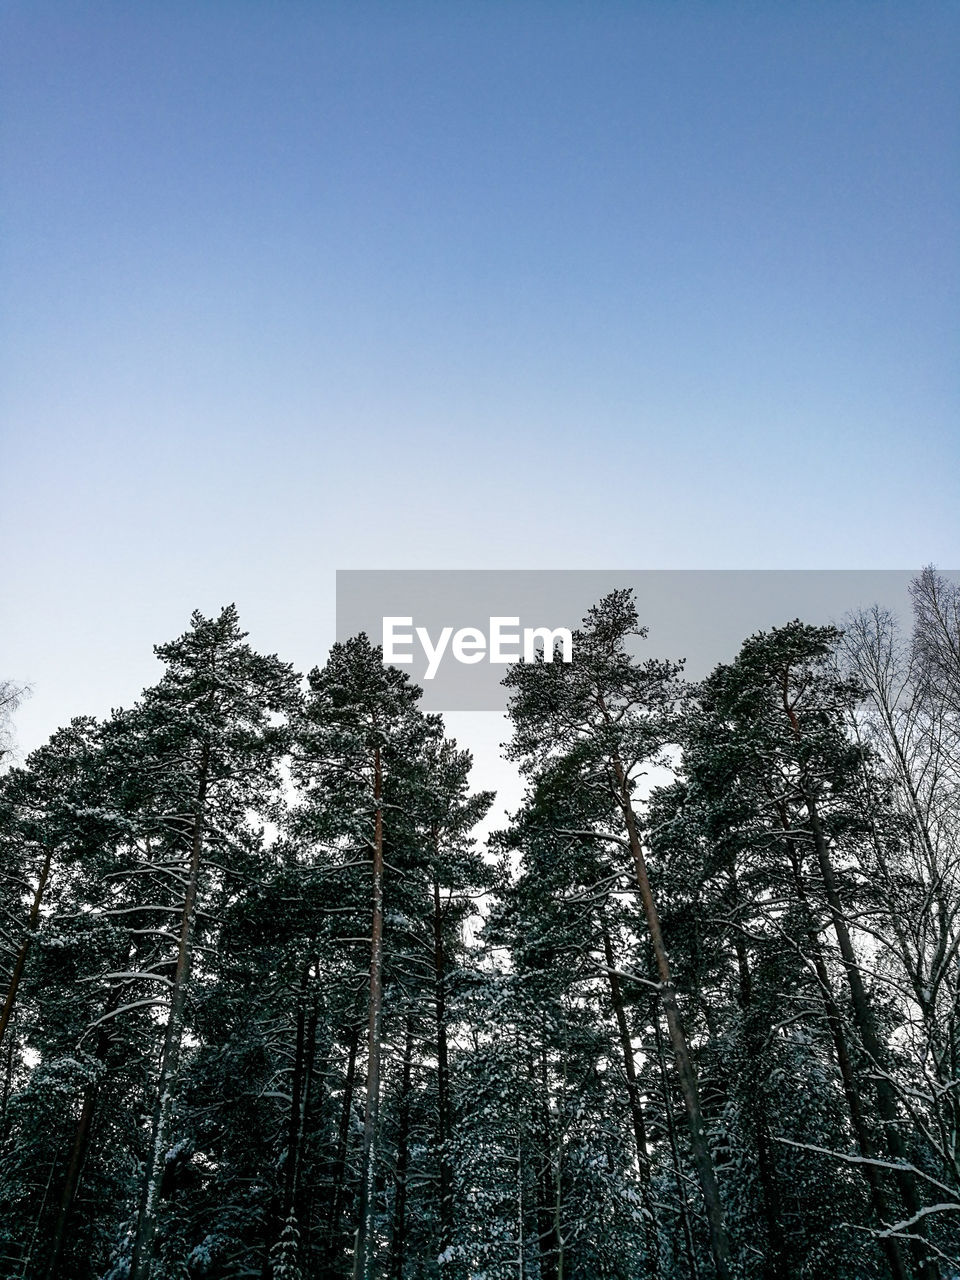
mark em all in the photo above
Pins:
pixel 453 631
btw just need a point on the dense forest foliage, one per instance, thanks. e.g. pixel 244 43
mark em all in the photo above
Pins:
pixel 269 1010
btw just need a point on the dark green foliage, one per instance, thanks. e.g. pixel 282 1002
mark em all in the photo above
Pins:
pixel 797 818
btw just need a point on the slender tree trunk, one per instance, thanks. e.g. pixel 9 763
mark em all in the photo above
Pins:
pixel 521 1258
pixel 878 1199
pixel 547 1212
pixel 399 1243
pixel 773 1262
pixel 629 1063
pixel 558 1176
pixel 557 1219
pixel 443 1077
pixel 7 1088
pixel 32 920
pixel 84 1128
pixel 141 1263
pixel 870 1039
pixel 675 1154
pixel 863 1012
pixel 636 1104
pixel 81 1143
pixel 364 1260
pixel 295 1116
pixel 343 1136
pixel 719 1243
pixel 303 1197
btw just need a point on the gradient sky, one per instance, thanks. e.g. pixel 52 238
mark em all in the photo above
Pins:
pixel 291 287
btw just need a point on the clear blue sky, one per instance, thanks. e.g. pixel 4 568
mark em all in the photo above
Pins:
pixel 291 287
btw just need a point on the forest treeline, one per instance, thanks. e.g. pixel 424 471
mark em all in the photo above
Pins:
pixel 270 1010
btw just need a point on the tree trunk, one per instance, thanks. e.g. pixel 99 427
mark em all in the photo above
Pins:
pixel 32 920
pixel 304 1196
pixel 869 1037
pixel 719 1243
pixel 863 1013
pixel 7 1088
pixel 343 1137
pixel 773 1262
pixel 521 1235
pixel 141 1263
pixel 364 1260
pixel 629 1063
pixel 878 1200
pixel 398 1248
pixel 81 1143
pixel 635 1102
pixel 547 1211
pixel 443 1076
pixel 675 1154
pixel 558 1176
pixel 295 1115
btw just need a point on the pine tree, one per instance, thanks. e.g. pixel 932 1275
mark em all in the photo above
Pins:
pixel 65 802
pixel 599 722
pixel 357 739
pixel 781 709
pixel 560 916
pixel 47 822
pixel 289 1023
pixel 205 749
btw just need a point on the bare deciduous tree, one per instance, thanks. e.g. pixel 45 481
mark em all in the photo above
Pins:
pixel 12 695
